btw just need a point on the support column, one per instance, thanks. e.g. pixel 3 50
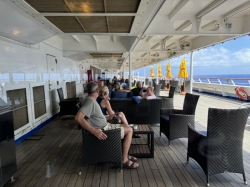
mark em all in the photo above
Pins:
pixel 157 73
pixel 130 75
pixel 191 72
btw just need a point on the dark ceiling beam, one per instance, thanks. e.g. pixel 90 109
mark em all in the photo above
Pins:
pixel 75 16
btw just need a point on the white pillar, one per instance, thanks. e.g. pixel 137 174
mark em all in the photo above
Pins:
pixel 130 76
pixel 191 72
pixel 157 73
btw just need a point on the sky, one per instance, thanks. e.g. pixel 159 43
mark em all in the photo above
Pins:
pixel 231 57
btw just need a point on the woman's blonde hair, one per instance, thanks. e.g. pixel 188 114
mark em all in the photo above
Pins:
pixel 103 91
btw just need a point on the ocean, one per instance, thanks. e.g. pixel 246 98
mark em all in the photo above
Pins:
pixel 238 79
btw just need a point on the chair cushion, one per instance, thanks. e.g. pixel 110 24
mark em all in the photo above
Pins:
pixel 165 117
pixel 115 94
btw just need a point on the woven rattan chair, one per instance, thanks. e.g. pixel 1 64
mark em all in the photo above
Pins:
pixel 175 84
pixel 221 149
pixel 168 102
pixel 95 150
pixel 174 123
pixel 163 84
pixel 157 88
pixel 67 106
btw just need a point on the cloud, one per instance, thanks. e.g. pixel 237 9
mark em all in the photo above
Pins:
pixel 221 57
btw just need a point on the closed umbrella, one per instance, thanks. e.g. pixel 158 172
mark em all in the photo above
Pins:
pixel 152 74
pixel 183 73
pixel 159 70
pixel 169 74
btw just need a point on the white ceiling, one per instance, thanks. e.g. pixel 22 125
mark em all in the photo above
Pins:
pixel 155 21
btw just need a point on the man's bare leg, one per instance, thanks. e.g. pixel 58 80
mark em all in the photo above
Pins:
pixel 128 132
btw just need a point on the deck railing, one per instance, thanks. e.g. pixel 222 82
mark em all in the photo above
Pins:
pixel 229 81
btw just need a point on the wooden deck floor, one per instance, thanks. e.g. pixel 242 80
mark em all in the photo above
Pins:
pixel 60 149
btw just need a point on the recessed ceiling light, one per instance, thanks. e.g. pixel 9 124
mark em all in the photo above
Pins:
pixel 16 32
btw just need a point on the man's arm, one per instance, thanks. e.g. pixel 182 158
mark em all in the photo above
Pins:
pixel 96 132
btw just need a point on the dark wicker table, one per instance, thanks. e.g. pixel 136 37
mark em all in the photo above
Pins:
pixel 143 147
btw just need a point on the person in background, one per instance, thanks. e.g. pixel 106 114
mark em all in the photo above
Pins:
pixel 118 88
pixel 98 80
pixel 122 80
pixel 149 94
pixel 114 80
pixel 97 122
pixel 136 91
pixel 101 83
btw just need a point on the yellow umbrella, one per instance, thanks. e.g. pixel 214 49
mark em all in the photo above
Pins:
pixel 183 73
pixel 169 73
pixel 159 70
pixel 152 74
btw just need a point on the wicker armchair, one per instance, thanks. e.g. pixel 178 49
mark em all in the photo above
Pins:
pixel 67 106
pixel 163 84
pixel 176 85
pixel 157 88
pixel 95 150
pixel 174 123
pixel 221 149
pixel 168 102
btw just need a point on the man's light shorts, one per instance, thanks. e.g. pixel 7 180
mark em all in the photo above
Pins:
pixel 110 126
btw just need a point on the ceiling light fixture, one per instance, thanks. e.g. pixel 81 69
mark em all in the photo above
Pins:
pixel 209 8
pixel 210 25
pixel 184 25
pixel 144 55
pixel 167 38
pixel 184 38
pixel 155 46
pixel 16 32
pixel 237 10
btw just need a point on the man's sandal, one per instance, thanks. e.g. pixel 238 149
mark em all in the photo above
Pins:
pixel 131 166
pixel 133 159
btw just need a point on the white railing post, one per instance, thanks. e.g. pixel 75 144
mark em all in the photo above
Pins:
pixel 208 81
pixel 200 80
pixel 219 81
pixel 191 72
pixel 232 81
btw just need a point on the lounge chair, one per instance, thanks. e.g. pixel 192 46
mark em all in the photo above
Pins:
pixel 219 149
pixel 168 102
pixel 174 123
pixel 67 106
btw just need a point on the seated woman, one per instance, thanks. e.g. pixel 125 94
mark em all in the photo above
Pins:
pixel 103 101
pixel 118 88
pixel 149 94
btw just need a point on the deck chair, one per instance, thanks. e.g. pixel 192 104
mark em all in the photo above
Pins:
pixel 174 123
pixel 95 150
pixel 219 149
pixel 157 88
pixel 67 106
pixel 168 102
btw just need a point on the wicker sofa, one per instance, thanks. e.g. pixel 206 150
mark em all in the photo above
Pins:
pixel 146 112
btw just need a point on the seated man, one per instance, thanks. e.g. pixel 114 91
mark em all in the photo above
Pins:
pixel 97 122
pixel 136 91
pixel 149 94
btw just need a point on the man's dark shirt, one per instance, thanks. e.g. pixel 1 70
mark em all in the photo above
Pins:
pixel 136 91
